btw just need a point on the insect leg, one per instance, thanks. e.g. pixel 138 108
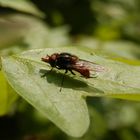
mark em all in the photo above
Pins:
pixel 63 80
pixel 72 72
pixel 50 70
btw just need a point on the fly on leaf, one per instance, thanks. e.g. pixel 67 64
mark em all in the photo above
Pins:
pixel 70 62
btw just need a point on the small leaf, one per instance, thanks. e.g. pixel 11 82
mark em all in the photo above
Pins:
pixel 7 95
pixel 118 50
pixel 21 5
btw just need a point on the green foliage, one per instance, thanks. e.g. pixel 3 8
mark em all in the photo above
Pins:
pixel 107 33
pixel 22 6
pixel 61 108
pixel 24 74
pixel 7 95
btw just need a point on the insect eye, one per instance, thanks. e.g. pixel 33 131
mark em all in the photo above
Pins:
pixel 54 56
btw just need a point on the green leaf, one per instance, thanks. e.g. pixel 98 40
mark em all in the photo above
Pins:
pixel 21 5
pixel 7 95
pixel 29 33
pixel 115 49
pixel 67 109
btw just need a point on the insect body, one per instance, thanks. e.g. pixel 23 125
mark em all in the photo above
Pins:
pixel 71 62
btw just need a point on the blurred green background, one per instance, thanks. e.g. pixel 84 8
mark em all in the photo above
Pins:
pixel 110 28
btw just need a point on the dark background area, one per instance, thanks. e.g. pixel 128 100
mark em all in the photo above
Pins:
pixel 110 27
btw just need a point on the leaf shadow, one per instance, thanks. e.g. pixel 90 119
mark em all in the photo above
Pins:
pixel 52 76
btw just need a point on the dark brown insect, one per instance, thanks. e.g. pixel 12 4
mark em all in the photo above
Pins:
pixel 69 62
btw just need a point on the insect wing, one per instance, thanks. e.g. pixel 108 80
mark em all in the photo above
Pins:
pixel 91 66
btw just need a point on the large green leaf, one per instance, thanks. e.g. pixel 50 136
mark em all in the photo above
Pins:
pixel 67 109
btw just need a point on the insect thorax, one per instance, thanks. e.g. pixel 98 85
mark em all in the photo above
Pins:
pixel 63 61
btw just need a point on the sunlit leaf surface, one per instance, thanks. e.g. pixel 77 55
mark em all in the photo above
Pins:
pixel 67 109
pixel 7 95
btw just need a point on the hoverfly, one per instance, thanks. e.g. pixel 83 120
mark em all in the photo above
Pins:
pixel 69 62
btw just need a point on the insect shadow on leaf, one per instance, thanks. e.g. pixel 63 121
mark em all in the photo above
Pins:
pixel 66 81
pixel 52 76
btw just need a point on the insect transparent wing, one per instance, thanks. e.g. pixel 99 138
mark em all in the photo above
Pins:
pixel 91 66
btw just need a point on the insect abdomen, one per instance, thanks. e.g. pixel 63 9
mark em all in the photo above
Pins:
pixel 84 72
